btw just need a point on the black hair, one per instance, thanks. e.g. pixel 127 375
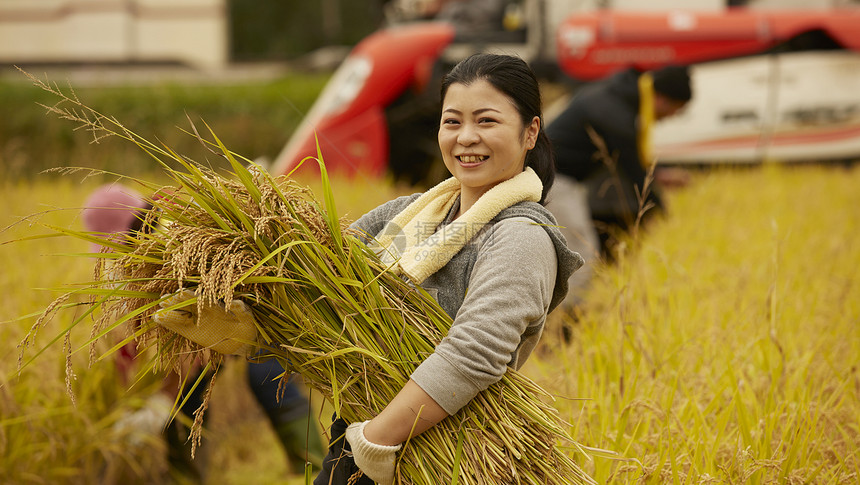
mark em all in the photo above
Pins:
pixel 516 80
pixel 673 82
pixel 137 224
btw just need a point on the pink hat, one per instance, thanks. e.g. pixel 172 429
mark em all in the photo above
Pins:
pixel 112 208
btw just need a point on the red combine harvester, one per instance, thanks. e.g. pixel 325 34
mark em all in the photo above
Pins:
pixel 769 84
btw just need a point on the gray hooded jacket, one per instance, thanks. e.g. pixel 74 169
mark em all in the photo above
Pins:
pixel 498 289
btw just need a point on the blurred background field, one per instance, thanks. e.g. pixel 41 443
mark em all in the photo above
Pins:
pixel 256 118
pixel 723 347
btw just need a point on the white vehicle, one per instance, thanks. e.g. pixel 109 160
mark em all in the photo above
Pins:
pixel 798 106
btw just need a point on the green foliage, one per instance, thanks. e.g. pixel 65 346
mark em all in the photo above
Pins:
pixel 289 28
pixel 255 119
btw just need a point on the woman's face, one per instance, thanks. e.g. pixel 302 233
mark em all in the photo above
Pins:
pixel 481 136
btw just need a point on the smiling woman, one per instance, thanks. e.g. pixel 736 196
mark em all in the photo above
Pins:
pixel 501 100
pixel 482 139
pixel 470 231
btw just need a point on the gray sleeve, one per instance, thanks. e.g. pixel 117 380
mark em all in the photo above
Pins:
pixel 509 292
pixel 371 223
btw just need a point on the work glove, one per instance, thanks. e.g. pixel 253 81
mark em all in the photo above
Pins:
pixel 227 330
pixel 376 461
pixel 112 275
pixel 147 422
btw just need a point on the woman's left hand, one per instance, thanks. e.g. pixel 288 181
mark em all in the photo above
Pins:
pixel 376 461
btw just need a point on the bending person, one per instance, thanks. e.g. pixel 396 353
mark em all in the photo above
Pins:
pixel 602 141
pixel 112 210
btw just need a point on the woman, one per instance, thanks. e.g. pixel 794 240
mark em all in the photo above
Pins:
pixel 483 230
pixel 515 264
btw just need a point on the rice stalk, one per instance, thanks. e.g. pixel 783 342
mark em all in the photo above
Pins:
pixel 325 308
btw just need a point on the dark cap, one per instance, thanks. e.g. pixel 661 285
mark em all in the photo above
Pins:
pixel 673 82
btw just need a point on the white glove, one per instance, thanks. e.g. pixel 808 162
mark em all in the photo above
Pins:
pixel 112 275
pixel 376 461
pixel 148 421
pixel 230 330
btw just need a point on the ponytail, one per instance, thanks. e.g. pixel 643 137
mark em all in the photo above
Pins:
pixel 542 160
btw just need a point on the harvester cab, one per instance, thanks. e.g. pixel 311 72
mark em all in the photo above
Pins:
pixel 759 78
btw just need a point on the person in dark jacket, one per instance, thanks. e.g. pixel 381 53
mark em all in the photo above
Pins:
pixel 601 141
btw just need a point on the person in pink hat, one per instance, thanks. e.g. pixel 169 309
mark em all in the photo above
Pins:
pixel 113 210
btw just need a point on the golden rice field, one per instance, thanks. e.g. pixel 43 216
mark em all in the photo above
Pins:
pixel 723 347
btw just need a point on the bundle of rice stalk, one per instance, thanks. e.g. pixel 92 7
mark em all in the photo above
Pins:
pixel 325 307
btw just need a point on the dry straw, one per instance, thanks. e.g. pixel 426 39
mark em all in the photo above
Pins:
pixel 325 308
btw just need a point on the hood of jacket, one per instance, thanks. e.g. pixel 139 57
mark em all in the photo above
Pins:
pixel 625 85
pixel 568 261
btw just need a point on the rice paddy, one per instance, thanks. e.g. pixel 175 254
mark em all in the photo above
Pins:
pixel 722 347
